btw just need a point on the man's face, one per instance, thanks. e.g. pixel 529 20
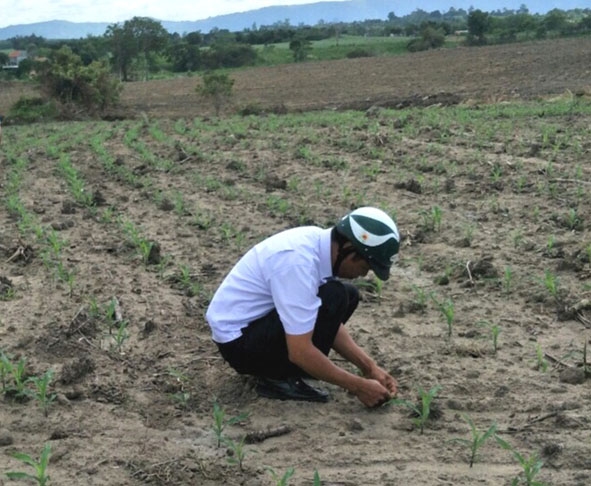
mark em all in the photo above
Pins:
pixel 353 266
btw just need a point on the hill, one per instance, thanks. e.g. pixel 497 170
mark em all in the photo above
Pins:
pixel 309 14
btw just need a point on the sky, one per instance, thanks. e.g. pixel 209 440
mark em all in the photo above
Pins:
pixel 14 12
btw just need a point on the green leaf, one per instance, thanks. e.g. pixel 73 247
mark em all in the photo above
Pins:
pixel 20 475
pixel 24 458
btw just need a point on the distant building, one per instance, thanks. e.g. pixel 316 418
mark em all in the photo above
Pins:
pixel 14 59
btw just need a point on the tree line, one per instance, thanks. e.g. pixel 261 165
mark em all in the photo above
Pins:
pixel 141 46
pixel 81 71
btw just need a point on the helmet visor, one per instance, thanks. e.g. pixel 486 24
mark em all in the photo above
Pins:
pixel 382 271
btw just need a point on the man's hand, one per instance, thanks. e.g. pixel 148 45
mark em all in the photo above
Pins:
pixel 387 380
pixel 372 393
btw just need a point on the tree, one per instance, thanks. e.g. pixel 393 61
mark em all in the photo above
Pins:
pixel 478 25
pixel 185 57
pixel 300 48
pixel 217 87
pixel 431 38
pixel 4 58
pixel 137 40
pixel 555 20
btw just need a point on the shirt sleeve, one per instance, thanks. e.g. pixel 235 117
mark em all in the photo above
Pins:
pixel 295 295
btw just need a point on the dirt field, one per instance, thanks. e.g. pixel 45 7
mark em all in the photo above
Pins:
pixel 114 234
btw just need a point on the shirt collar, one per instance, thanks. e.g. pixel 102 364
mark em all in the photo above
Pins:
pixel 325 254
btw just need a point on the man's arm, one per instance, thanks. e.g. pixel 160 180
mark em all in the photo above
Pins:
pixel 308 357
pixel 352 352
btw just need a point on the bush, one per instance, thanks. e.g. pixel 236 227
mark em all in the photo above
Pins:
pixel 251 109
pixel 217 87
pixel 359 52
pixel 66 79
pixel 30 110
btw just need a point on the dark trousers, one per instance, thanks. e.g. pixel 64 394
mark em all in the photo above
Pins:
pixel 262 348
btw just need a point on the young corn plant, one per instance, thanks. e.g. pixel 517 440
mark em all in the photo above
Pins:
pixel 41 391
pixel 495 331
pixel 317 481
pixel 41 478
pixel 16 386
pixel 550 282
pixel 422 411
pixel 281 480
pixel 541 361
pixel 477 440
pixel 237 452
pixel 220 421
pixel 507 280
pixel 420 298
pixel 432 218
pixel 531 465
pixel 182 396
pixel 446 307
pixel 121 336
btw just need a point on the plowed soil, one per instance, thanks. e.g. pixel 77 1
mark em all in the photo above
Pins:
pixel 114 234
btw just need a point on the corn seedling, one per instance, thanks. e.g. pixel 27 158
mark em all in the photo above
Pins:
pixel 507 280
pixel 66 276
pixel 145 248
pixel 495 331
pixel 182 396
pixel 106 215
pixel 550 243
pixel 422 411
pixel 281 480
pixel 41 392
pixel 121 336
pixel 517 238
pixel 185 277
pixel 277 204
pixel 7 292
pixel 420 300
pixel 541 361
pixel 496 173
pixel 5 371
pixel 550 282
pixel 317 481
pixel 40 477
pixel 202 219
pixel 110 315
pixel 469 234
pixel 17 385
pixel 236 451
pixel 446 307
pixel 531 465
pixel 179 204
pixel 220 422
pixel 477 440
pixel 572 219
pixel 432 218
pixel 55 243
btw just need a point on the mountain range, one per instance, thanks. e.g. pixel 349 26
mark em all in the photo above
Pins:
pixel 308 14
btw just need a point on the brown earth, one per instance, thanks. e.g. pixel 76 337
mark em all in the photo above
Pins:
pixel 511 183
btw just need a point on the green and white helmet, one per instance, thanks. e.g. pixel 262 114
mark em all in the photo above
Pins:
pixel 374 236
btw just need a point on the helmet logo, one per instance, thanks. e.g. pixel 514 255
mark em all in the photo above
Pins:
pixel 367 238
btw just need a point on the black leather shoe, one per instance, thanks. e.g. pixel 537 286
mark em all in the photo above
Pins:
pixel 290 389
